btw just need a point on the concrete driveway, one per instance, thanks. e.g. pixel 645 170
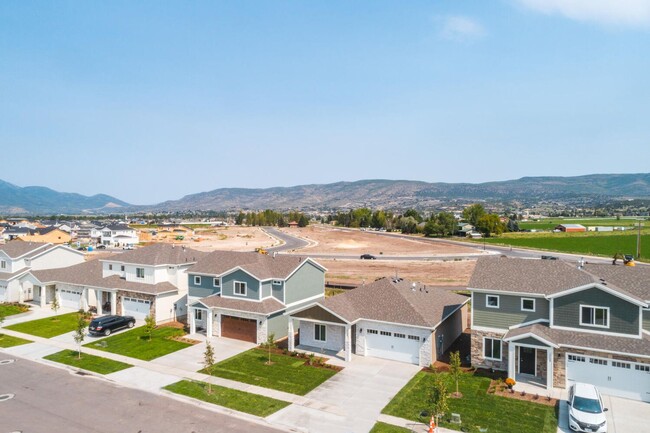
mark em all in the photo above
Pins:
pixel 351 401
pixel 623 415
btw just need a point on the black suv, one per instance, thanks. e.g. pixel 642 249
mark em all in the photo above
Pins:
pixel 106 324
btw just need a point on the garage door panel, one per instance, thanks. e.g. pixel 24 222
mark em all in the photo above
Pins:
pixel 70 299
pixel 239 328
pixel 393 345
pixel 612 377
pixel 138 308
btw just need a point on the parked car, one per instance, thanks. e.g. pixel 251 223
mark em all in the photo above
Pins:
pixel 105 325
pixel 101 247
pixel 367 257
pixel 586 410
pixel 127 247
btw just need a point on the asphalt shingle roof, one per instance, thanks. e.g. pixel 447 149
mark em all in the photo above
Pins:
pixel 267 306
pixel 397 301
pixel 260 265
pixel 159 254
pixel 15 249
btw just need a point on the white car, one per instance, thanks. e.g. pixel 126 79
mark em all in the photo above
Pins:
pixel 586 410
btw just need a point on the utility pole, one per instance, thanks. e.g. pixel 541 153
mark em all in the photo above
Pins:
pixel 638 242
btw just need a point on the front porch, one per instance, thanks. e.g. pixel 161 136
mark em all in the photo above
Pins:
pixel 530 362
pixel 323 331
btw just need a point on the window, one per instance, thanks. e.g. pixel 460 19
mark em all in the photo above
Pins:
pixel 642 367
pixel 122 268
pixel 240 288
pixel 371 331
pixel 492 349
pixel 576 358
pixel 110 267
pixel 277 282
pixel 385 333
pixel 139 272
pixel 197 280
pixel 527 304
pixel 3 264
pixel 198 314
pixel 621 365
pixel 398 335
pixel 492 301
pixel 216 282
pixel 320 332
pixel 597 361
pixel 594 316
pixel 414 337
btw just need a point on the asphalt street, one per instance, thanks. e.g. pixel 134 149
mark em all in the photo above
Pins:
pixel 290 242
pixel 53 400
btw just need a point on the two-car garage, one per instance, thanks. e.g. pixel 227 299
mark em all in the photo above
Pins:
pixel 398 346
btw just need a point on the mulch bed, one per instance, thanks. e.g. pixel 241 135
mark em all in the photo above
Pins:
pixel 315 361
pixel 499 388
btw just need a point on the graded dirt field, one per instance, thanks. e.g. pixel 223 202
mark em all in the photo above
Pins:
pixel 437 273
pixel 232 238
pixel 331 240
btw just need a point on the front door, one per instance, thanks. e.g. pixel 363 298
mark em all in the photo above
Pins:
pixel 527 360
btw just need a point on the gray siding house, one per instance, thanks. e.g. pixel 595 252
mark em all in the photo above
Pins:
pixel 555 322
pixel 246 295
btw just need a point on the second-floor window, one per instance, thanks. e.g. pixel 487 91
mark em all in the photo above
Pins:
pixel 216 282
pixel 197 281
pixel 110 267
pixel 3 264
pixel 240 288
pixel 594 316
pixel 139 272
pixel 122 268
pixel 492 301
pixel 492 348
pixel 527 304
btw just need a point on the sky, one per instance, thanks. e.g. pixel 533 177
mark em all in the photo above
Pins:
pixel 152 100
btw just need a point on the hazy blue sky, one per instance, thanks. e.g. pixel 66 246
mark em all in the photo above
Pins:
pixel 149 101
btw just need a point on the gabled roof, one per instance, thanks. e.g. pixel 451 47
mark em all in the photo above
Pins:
pixel 261 266
pixel 158 254
pixel 552 277
pixel 117 227
pixel 16 249
pixel 397 301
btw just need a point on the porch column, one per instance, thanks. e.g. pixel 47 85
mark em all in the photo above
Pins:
pixel 218 326
pixel 348 343
pixel 85 295
pixel 192 321
pixel 42 292
pixel 512 368
pixel 100 304
pixel 208 323
pixel 291 339
pixel 549 369
pixel 114 303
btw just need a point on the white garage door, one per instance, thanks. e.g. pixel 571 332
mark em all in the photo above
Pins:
pixel 393 345
pixel 2 294
pixel 70 299
pixel 620 378
pixel 137 308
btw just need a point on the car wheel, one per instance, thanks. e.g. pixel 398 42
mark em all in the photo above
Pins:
pixel 107 332
pixel 131 324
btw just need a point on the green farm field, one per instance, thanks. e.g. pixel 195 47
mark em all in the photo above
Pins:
pixel 551 223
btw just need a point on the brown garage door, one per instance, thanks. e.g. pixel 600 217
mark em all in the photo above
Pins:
pixel 239 329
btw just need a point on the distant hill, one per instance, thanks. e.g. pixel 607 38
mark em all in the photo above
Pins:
pixel 15 200
pixel 396 194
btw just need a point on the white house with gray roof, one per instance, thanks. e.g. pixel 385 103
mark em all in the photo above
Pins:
pixel 118 235
pixel 553 322
pixel 390 318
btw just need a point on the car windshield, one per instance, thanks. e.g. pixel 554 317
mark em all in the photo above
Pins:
pixel 588 405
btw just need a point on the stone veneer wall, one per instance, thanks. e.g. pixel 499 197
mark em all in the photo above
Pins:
pixel 559 362
pixel 541 363
pixel 477 351
pixel 122 294
pixel 334 334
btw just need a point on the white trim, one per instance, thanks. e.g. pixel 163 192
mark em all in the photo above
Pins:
pixel 428 328
pixel 239 297
pixel 471 311
pixel 534 361
pixel 193 305
pixel 514 339
pixel 216 282
pixel 488 329
pixel 527 309
pixel 197 280
pixel 551 311
pixel 487 304
pixel 306 307
pixel 324 328
pixel 136 273
pixel 524 324
pixel 500 340
pixel 594 307
pixel 304 300
pixel 594 331
pixel 508 292
pixel 600 287
pixel 54 248
pixel 302 319
pixel 234 288
pixel 308 259
pixel 591 349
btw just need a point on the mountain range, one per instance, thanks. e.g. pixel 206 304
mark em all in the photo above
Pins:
pixel 378 193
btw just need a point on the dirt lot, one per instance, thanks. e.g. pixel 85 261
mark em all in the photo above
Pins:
pixel 330 240
pixel 234 238
pixel 439 273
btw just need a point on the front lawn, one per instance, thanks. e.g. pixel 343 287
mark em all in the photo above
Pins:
pixel 287 373
pixel 476 407
pixel 230 398
pixel 381 427
pixel 88 362
pixel 9 341
pixel 9 309
pixel 136 344
pixel 48 327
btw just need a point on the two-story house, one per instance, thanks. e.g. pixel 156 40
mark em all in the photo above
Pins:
pixel 19 258
pixel 552 322
pixel 147 281
pixel 245 295
pixel 118 235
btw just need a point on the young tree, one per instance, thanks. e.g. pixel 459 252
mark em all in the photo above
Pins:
pixel 454 370
pixel 80 333
pixel 55 305
pixel 438 397
pixel 149 325
pixel 208 362
pixel 270 344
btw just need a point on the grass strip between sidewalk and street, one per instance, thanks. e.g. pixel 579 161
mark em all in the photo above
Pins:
pixel 10 341
pixel 87 362
pixel 231 398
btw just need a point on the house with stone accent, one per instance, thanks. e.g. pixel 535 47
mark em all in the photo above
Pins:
pixel 553 322
pixel 17 260
pixel 391 318
pixel 247 295
pixel 146 281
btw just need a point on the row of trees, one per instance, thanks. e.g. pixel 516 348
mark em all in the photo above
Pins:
pixel 271 218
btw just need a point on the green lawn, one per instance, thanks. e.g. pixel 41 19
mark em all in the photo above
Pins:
pixel 48 327
pixel 476 407
pixel 551 223
pixel 136 344
pixel 230 398
pixel 591 243
pixel 9 341
pixel 8 309
pixel 381 427
pixel 286 374
pixel 88 362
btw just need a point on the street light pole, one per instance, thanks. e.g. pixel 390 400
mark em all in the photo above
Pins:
pixel 638 242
